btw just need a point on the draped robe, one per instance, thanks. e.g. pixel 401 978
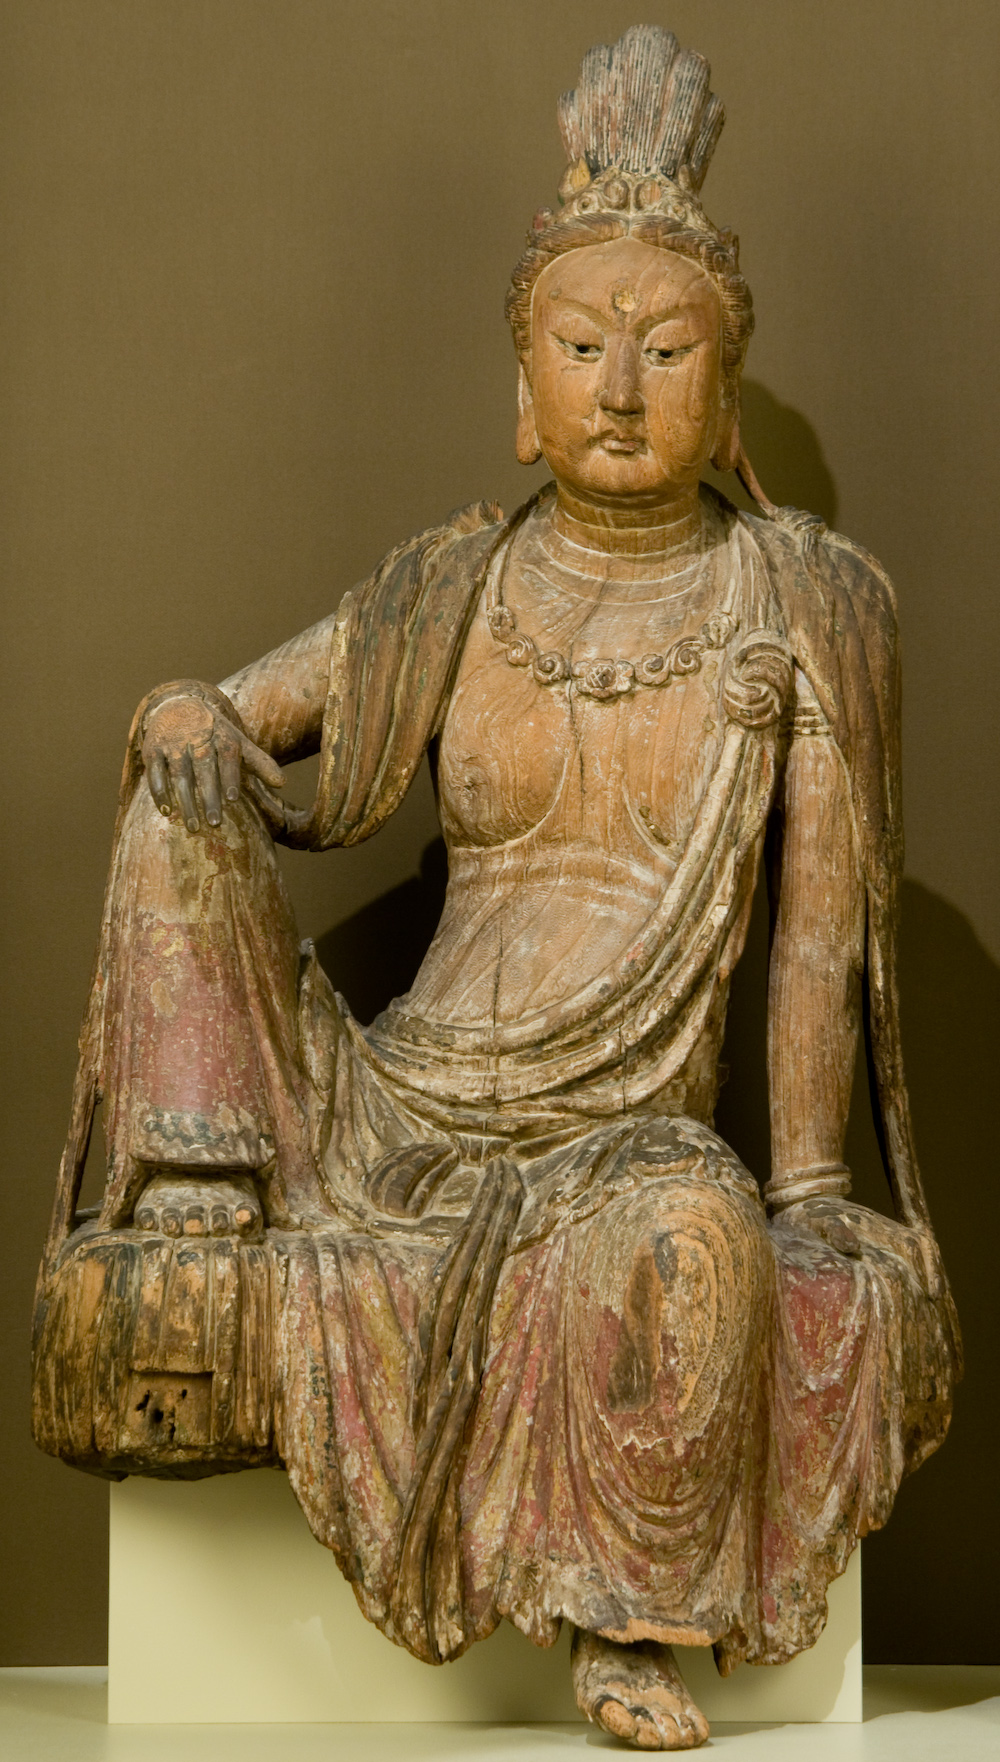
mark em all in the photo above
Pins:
pixel 538 1351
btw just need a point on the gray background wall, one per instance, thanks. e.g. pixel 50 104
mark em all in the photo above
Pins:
pixel 254 258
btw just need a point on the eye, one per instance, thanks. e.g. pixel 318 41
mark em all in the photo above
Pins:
pixel 662 355
pixel 581 351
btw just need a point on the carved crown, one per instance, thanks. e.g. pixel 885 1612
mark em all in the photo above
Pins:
pixel 640 128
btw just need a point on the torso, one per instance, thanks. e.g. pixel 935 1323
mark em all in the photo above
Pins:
pixel 565 815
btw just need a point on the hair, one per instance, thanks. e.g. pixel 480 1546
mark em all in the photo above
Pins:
pixel 553 236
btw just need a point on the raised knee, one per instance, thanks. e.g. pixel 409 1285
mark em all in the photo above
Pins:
pixel 242 824
pixel 168 866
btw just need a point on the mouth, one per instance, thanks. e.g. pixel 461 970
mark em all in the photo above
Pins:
pixel 612 442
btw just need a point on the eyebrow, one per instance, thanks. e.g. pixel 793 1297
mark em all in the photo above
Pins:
pixel 580 307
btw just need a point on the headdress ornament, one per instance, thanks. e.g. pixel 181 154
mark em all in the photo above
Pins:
pixel 640 128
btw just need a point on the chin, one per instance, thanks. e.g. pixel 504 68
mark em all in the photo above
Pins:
pixel 626 480
pixel 585 471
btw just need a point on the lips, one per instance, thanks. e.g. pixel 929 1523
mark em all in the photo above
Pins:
pixel 620 443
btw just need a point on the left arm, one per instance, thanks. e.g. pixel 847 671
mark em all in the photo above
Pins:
pixel 817 958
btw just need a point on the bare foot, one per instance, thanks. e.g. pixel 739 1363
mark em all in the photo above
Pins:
pixel 636 1693
pixel 189 1205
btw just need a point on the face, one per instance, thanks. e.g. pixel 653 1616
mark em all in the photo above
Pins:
pixel 626 373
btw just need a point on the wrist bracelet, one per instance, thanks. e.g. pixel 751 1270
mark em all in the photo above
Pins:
pixel 821 1180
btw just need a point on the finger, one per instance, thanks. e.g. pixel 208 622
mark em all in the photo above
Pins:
pixel 230 764
pixel 262 764
pixel 206 776
pixel 159 782
pixel 182 779
pixel 840 1236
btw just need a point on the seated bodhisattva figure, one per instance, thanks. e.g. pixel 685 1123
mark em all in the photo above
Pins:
pixel 528 1338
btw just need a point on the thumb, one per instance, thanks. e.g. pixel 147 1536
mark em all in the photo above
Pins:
pixel 261 764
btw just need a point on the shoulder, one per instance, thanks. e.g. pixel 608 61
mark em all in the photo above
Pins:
pixel 807 559
pixel 464 530
pixel 468 535
pixel 441 557
pixel 839 612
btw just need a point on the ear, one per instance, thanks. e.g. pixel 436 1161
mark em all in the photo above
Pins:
pixel 727 436
pixel 526 443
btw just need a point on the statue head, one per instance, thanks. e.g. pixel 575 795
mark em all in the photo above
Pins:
pixel 629 314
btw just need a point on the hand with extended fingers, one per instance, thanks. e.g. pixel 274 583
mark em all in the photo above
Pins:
pixel 196 758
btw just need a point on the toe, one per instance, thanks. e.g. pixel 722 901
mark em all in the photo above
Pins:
pixel 170 1222
pixel 220 1221
pixel 647 1734
pixel 678 1731
pixel 699 1726
pixel 146 1218
pixel 247 1216
pixel 615 1718
pixel 195 1221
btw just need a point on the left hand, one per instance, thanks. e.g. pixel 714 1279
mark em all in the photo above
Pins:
pixel 829 1218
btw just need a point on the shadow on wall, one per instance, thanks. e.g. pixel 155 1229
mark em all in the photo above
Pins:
pixel 926 1599
pixel 373 956
pixel 927 1596
pixel 786 456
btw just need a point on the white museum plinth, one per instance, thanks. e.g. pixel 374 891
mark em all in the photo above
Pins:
pixel 224 1609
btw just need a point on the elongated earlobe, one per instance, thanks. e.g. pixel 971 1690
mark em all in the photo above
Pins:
pixel 727 444
pixel 526 443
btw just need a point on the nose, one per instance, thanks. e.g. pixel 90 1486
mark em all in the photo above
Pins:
pixel 619 390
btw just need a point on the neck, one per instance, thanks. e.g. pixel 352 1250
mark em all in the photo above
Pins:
pixel 629 531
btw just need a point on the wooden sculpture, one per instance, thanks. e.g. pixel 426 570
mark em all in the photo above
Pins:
pixel 526 1335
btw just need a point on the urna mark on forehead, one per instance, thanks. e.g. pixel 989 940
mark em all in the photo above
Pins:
pixel 628 280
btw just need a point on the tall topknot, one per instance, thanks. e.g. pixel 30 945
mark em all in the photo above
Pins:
pixel 643 105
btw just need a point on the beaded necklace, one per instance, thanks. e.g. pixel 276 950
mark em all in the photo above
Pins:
pixel 605 680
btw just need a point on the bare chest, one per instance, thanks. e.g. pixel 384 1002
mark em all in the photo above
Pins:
pixel 596 757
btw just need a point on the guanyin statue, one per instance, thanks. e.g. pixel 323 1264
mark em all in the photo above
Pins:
pixel 528 1338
